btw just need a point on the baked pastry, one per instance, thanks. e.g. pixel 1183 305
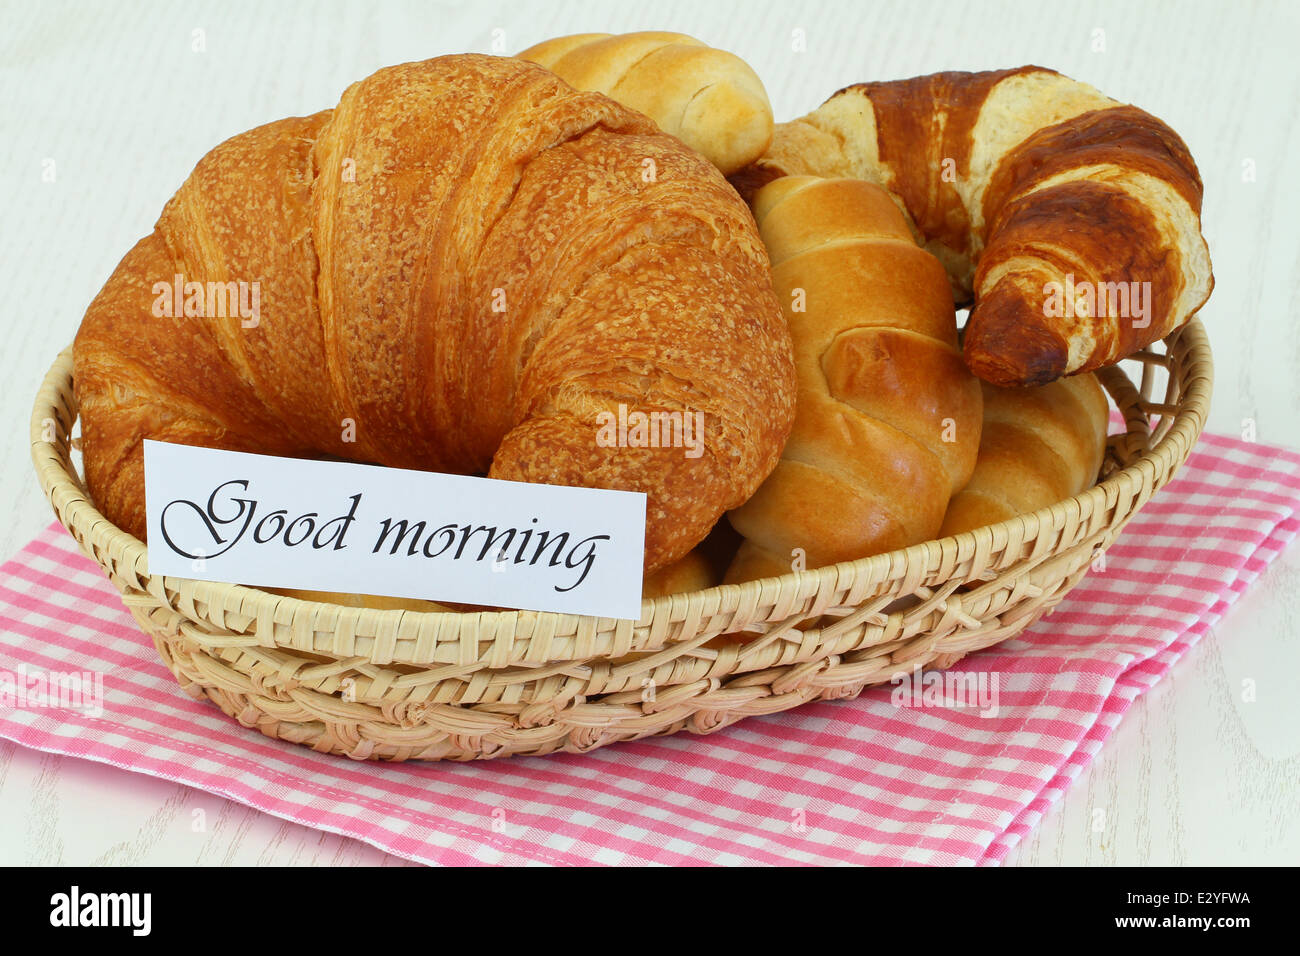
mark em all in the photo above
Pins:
pixel 709 99
pixel 1048 203
pixel 888 418
pixel 1039 446
pixel 691 573
pixel 459 268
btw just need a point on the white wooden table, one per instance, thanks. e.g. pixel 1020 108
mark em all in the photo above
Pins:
pixel 104 110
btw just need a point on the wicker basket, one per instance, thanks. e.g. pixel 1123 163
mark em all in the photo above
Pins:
pixel 402 685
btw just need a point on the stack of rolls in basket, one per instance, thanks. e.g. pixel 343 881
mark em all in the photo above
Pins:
pixel 844 413
pixel 883 211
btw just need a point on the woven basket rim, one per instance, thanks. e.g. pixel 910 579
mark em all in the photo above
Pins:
pixel 1188 348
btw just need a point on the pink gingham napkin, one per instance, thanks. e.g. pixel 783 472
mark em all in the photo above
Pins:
pixel 861 781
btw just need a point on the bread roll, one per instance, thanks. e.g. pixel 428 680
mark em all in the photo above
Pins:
pixel 709 99
pixel 1039 446
pixel 887 418
pixel 691 573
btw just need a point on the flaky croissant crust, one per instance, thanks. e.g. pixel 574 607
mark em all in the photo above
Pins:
pixel 460 267
pixel 1031 188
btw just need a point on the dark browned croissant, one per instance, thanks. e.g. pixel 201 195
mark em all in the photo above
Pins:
pixel 459 268
pixel 1070 220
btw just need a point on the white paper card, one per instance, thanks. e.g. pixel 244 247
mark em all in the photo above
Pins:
pixel 341 526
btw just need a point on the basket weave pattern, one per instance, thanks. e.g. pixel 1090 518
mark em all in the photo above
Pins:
pixel 400 685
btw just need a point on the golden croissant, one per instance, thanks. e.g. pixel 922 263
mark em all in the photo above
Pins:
pixel 462 267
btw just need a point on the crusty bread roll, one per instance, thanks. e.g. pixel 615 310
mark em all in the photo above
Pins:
pixel 692 573
pixel 709 99
pixel 888 418
pixel 460 268
pixel 1070 220
pixel 1039 446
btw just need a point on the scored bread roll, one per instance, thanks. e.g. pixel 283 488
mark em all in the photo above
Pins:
pixel 1038 446
pixel 709 99
pixel 887 417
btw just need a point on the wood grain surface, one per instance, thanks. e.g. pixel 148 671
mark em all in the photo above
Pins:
pixel 105 108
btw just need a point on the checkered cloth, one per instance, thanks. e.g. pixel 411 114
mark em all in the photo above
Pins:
pixel 873 780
